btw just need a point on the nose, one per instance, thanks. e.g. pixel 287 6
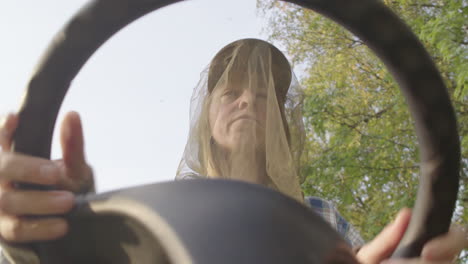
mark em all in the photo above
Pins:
pixel 247 99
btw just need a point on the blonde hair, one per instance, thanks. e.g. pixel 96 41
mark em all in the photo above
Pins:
pixel 271 158
pixel 214 158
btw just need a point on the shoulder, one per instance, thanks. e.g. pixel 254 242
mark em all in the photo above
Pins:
pixel 317 202
pixel 324 208
pixel 329 213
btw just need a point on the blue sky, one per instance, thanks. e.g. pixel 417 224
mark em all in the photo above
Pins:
pixel 133 94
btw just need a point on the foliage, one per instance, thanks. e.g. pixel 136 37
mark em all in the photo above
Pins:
pixel 361 151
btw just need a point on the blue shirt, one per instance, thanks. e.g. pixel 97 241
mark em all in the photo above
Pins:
pixel 326 209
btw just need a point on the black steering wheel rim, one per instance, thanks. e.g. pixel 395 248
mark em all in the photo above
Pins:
pixel 370 20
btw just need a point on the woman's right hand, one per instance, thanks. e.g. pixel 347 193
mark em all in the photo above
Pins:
pixel 30 215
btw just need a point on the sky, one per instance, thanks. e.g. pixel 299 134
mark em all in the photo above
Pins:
pixel 133 94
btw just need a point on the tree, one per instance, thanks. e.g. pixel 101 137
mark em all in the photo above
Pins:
pixel 361 151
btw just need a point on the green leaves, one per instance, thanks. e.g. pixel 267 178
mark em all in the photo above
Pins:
pixel 361 150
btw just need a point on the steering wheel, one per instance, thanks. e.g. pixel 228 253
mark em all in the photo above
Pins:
pixel 140 211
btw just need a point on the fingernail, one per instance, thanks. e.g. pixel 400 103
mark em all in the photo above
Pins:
pixel 399 215
pixel 3 119
pixel 3 122
pixel 430 253
pixel 425 253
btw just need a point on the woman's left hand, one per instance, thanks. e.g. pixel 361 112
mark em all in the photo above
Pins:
pixel 441 249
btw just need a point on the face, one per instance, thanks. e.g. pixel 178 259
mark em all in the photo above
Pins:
pixel 237 113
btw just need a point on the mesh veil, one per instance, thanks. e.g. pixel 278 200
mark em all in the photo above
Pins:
pixel 246 119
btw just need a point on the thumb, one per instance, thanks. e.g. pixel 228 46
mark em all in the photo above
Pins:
pixel 72 141
pixel 77 175
pixel 8 126
pixel 386 241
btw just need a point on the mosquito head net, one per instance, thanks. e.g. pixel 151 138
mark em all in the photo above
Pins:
pixel 246 119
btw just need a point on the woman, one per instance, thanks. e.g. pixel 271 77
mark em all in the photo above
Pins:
pixel 246 125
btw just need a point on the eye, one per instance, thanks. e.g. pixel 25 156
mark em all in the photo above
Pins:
pixel 229 93
pixel 228 96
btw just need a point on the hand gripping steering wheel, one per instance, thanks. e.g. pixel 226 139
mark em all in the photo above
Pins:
pixel 207 221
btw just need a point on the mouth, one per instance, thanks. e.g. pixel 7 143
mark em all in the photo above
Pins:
pixel 245 117
pixel 248 118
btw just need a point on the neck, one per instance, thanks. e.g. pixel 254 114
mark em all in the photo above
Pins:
pixel 248 165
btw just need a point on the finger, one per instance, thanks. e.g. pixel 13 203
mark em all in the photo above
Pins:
pixel 385 242
pixel 15 229
pixel 71 137
pixel 35 202
pixel 7 128
pixel 78 179
pixel 78 175
pixel 16 167
pixel 447 246
pixel 413 261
